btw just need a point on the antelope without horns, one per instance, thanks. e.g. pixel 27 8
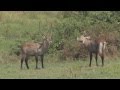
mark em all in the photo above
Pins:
pixel 96 46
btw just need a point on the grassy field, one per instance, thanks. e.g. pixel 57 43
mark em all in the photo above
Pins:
pixel 55 69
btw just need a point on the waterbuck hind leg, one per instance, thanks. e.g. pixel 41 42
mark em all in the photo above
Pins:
pixel 22 59
pixel 96 57
pixel 42 57
pixel 102 57
pixel 26 62
pixel 36 58
pixel 90 59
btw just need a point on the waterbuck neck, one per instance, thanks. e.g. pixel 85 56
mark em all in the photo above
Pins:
pixel 45 45
pixel 87 42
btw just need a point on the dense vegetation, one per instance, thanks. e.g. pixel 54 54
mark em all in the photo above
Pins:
pixel 65 26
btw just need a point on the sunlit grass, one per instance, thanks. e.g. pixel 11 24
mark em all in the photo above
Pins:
pixel 61 70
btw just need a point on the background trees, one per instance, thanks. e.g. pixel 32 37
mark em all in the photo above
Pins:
pixel 16 27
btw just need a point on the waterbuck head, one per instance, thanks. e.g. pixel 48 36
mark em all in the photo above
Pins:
pixel 48 39
pixel 83 39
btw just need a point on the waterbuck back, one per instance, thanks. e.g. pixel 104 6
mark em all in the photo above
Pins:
pixel 30 48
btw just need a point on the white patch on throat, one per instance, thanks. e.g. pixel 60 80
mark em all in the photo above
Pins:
pixel 104 45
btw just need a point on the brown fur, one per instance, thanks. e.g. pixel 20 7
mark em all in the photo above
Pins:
pixel 34 49
pixel 94 46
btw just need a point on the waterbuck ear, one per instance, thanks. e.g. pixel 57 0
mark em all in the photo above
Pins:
pixel 89 38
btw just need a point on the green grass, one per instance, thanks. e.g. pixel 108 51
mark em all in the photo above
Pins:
pixel 19 26
pixel 55 69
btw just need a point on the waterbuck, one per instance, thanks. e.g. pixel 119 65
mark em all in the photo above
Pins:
pixel 34 49
pixel 96 46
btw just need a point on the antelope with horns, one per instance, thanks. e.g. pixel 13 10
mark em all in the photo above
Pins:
pixel 35 49
pixel 96 46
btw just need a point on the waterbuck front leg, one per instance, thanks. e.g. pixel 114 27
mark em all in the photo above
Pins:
pixel 26 62
pixel 42 57
pixel 36 58
pixel 96 57
pixel 90 59
pixel 102 57
pixel 22 59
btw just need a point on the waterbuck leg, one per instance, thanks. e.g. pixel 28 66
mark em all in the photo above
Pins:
pixel 102 57
pixel 22 59
pixel 90 59
pixel 96 57
pixel 26 62
pixel 36 58
pixel 42 56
